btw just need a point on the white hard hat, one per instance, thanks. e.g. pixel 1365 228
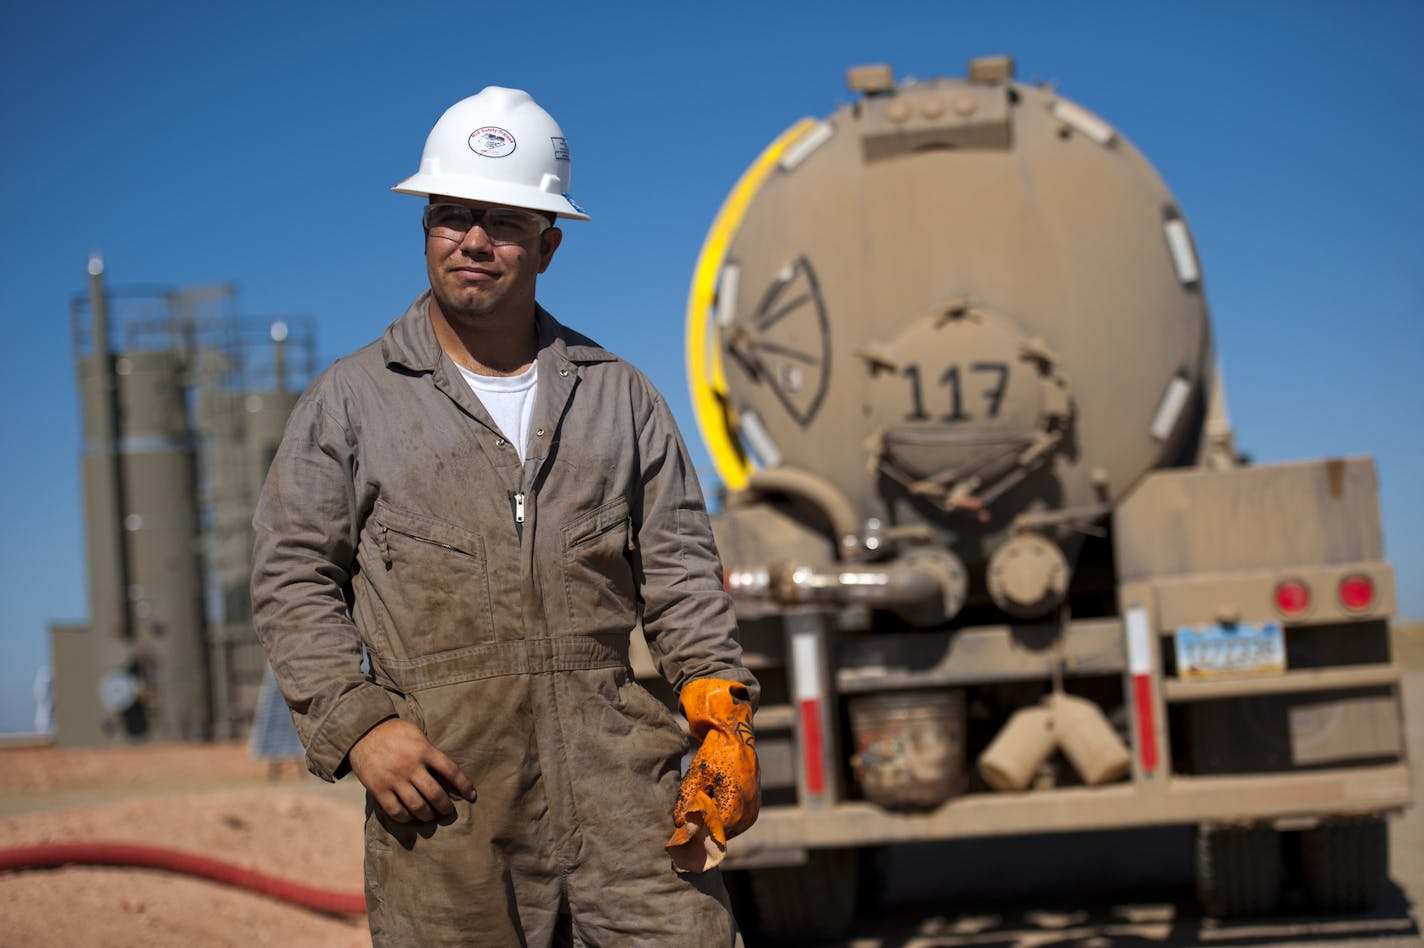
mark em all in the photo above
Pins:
pixel 498 146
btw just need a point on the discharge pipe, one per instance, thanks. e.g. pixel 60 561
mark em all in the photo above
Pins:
pixel 880 586
pixel 925 587
pixel 54 855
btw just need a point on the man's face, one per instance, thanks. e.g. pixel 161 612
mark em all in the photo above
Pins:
pixel 473 277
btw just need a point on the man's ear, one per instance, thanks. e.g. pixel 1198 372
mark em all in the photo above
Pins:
pixel 548 243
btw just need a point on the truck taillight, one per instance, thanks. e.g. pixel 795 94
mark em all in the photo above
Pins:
pixel 1292 597
pixel 1357 592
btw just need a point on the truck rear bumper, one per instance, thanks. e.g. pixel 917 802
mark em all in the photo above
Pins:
pixel 783 834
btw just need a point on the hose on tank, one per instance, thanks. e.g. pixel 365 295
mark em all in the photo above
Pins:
pixel 815 490
pixel 54 855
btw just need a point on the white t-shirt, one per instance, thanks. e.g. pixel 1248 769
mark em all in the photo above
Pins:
pixel 510 401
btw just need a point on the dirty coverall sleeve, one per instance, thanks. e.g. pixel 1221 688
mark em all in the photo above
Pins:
pixel 688 618
pixel 307 525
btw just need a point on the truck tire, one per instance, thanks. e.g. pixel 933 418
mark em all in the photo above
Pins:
pixel 1238 870
pixel 1343 863
pixel 815 900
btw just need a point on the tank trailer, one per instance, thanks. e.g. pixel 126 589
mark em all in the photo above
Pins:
pixel 996 560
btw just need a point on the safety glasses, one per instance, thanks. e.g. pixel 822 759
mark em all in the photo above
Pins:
pixel 503 225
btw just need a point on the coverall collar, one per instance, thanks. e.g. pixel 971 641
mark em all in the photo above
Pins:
pixel 410 341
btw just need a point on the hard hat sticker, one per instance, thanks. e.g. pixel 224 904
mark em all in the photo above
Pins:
pixel 561 149
pixel 573 204
pixel 491 141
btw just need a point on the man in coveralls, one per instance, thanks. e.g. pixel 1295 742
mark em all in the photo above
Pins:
pixel 484 504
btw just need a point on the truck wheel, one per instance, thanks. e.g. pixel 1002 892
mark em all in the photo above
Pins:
pixel 1343 864
pixel 1238 869
pixel 816 900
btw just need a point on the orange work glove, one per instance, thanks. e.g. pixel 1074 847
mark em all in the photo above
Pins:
pixel 721 793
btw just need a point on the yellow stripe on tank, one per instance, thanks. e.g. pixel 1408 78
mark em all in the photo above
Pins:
pixel 704 354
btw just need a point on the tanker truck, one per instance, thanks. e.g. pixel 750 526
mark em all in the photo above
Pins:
pixel 997 562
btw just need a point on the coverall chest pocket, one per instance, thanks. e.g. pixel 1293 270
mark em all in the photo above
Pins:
pixel 433 580
pixel 598 571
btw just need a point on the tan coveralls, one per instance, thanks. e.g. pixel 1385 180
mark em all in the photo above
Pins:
pixel 494 601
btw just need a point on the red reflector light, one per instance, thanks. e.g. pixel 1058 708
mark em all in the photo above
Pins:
pixel 1357 592
pixel 1292 597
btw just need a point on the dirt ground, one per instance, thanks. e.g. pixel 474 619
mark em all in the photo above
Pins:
pixel 212 800
pixel 215 800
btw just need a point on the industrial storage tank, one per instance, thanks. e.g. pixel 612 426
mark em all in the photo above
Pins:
pixel 147 633
pixel 254 372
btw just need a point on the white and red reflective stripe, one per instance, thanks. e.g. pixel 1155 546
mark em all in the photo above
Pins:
pixel 1139 666
pixel 807 693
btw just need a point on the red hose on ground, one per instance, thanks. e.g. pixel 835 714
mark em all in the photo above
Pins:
pixel 53 855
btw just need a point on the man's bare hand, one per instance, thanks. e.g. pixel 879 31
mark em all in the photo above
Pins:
pixel 409 777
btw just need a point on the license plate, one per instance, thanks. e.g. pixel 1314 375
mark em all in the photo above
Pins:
pixel 1212 651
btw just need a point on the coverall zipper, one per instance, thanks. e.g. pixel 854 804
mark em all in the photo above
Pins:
pixel 517 498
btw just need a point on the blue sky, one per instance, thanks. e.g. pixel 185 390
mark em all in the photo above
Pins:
pixel 256 143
